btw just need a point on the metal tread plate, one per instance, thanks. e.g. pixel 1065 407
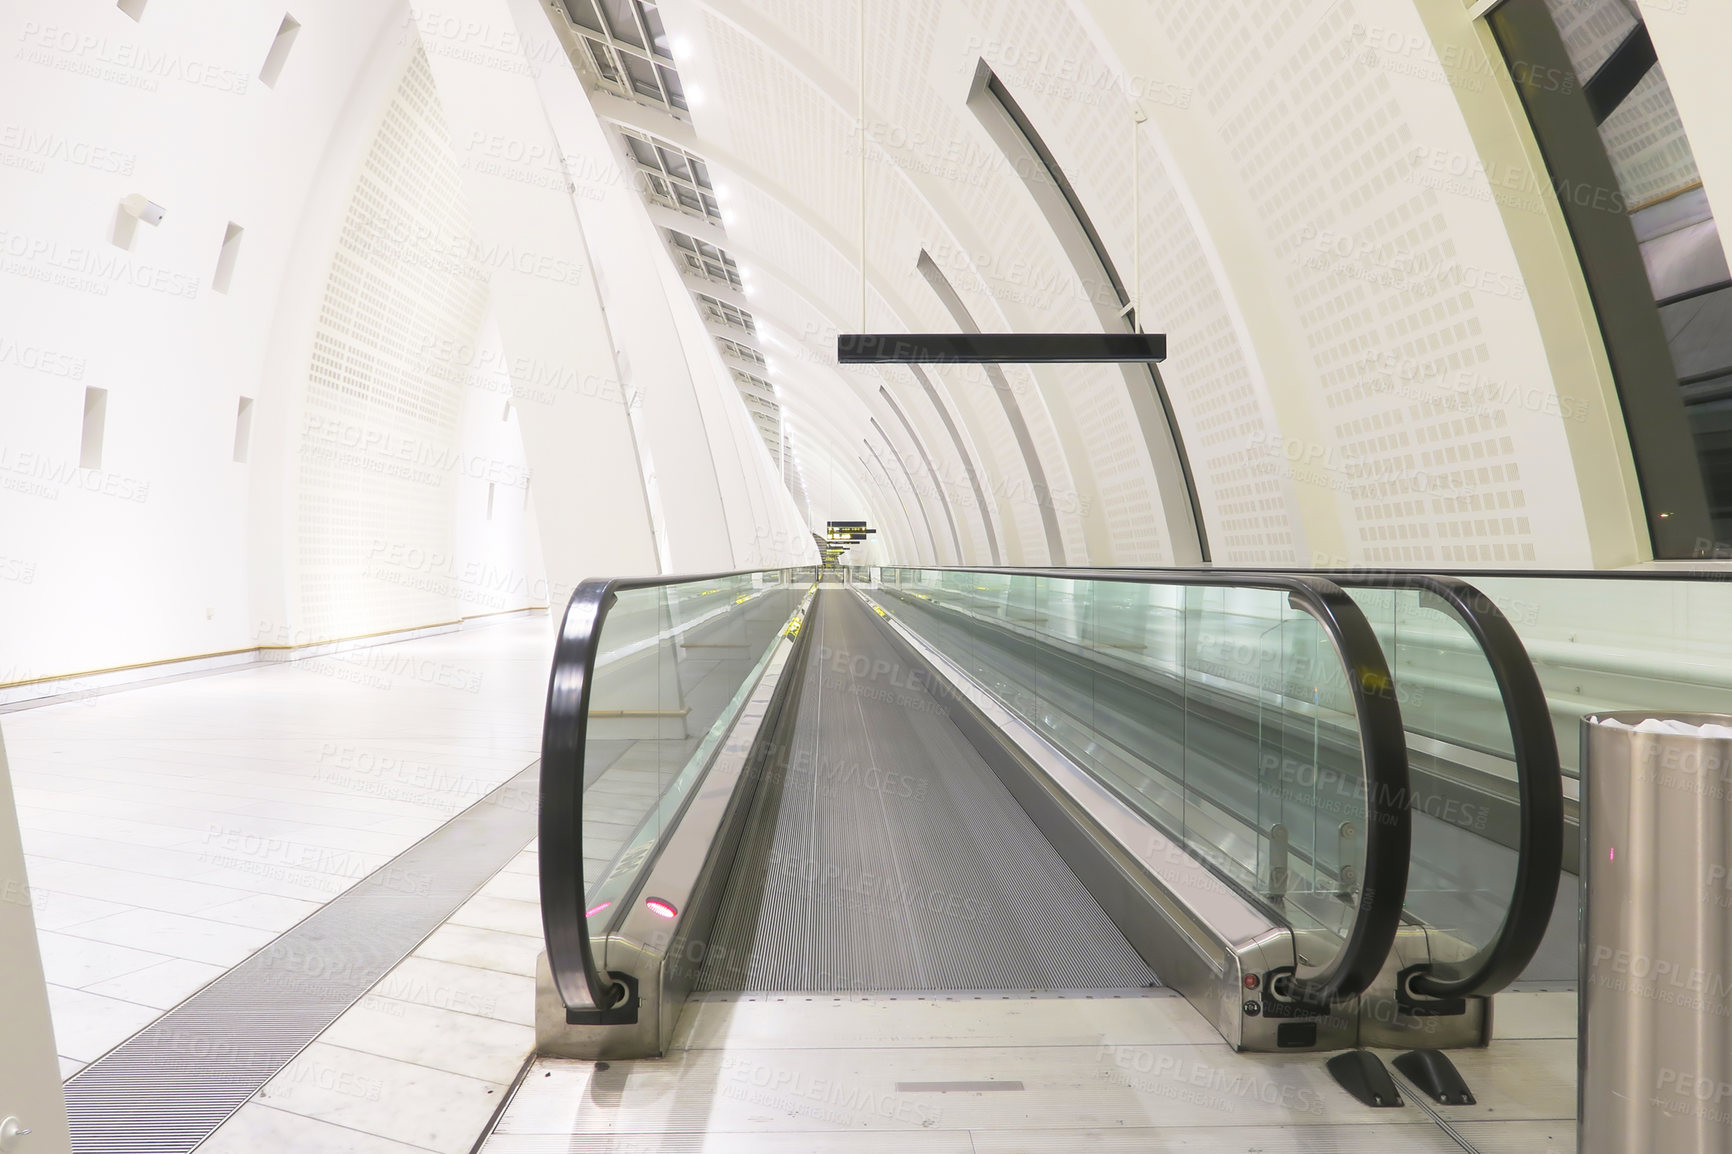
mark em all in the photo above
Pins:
pixel 883 853
pixel 169 1086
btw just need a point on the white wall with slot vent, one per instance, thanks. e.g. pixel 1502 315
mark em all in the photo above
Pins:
pixel 398 342
pixel 147 557
pixel 422 216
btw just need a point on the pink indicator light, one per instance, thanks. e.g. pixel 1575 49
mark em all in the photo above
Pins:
pixel 597 909
pixel 1612 854
pixel 660 908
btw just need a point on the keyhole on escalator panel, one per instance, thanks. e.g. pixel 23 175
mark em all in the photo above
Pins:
pixel 1348 857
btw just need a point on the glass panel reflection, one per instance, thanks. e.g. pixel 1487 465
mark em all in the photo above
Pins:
pixel 675 664
pixel 1220 714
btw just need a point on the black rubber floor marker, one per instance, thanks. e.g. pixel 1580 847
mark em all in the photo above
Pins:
pixel 1433 1072
pixel 1362 1074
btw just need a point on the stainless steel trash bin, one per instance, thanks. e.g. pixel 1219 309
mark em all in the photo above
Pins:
pixel 1655 1029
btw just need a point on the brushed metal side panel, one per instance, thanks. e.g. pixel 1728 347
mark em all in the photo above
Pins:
pixel 1655 1033
pixel 663 954
pixel 1194 930
pixel 1384 1022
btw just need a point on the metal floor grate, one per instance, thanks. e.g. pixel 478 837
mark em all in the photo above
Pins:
pixel 166 1088
pixel 885 854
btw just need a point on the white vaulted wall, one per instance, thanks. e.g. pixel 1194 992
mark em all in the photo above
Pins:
pixel 1342 397
pixel 1378 355
pixel 147 556
pixel 719 495
pixel 472 375
pixel 386 444
pixel 444 421
pixel 1417 417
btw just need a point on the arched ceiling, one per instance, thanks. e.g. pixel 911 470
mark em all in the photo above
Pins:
pixel 1259 204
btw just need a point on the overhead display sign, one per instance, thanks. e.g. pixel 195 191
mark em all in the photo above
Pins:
pixel 999 348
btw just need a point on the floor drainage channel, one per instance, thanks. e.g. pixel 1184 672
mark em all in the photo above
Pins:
pixel 166 1088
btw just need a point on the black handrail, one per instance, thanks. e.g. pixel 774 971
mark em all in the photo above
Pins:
pixel 1539 786
pixel 589 996
pixel 1539 772
pixel 1678 574
pixel 1383 746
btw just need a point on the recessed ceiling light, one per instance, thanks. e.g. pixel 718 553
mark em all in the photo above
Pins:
pixel 694 95
pixel 682 48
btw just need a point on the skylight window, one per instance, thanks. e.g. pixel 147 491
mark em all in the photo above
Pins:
pixel 751 384
pixel 706 260
pixel 628 46
pixel 726 314
pixel 741 352
pixel 674 177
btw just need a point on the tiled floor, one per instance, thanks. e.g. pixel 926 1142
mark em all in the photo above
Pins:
pixel 423 1061
pixel 172 830
pixel 920 1073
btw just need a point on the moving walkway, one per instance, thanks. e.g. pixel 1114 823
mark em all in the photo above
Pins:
pixel 1059 780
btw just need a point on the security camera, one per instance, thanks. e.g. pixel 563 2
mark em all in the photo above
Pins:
pixel 148 211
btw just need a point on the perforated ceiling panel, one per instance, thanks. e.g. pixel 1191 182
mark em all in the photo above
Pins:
pixel 1315 129
pixel 935 182
pixel 1645 138
pixel 1592 30
pixel 1045 58
pixel 1644 134
pixel 379 460
pixel 766 102
pixel 1347 386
